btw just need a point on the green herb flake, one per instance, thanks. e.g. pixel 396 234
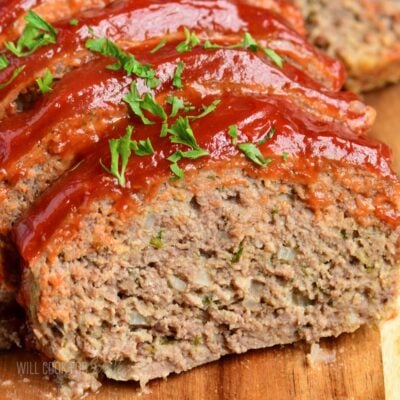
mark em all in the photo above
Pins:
pixel 176 105
pixel 177 170
pixel 248 42
pixel 156 241
pixel 120 150
pixel 211 46
pixel 142 147
pixel 177 77
pixel 190 42
pixel 233 133
pixel 268 136
pixel 252 152
pixel 285 156
pixel 127 62
pixel 277 59
pixel 46 82
pixel 148 103
pixel 160 45
pixel 74 22
pixel 4 63
pixel 16 72
pixel 206 110
pixel 182 133
pixel 207 301
pixel 238 254
pixel 197 340
pixel 37 33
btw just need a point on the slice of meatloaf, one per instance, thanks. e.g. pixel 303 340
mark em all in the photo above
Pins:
pixel 162 275
pixel 364 34
pixel 129 22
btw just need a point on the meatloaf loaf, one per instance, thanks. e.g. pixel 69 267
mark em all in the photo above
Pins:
pixel 248 249
pixel 41 136
pixel 220 200
pixel 364 34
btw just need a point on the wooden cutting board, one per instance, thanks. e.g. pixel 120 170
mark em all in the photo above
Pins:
pixel 280 373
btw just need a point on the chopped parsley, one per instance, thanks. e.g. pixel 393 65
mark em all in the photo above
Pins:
pixel 37 33
pixel 74 22
pixel 177 77
pixel 176 105
pixel 211 46
pixel 233 133
pixel 285 156
pixel 16 72
pixel 238 254
pixel 182 133
pixel 206 110
pixel 45 82
pixel 127 62
pixel 249 43
pixel 121 151
pixel 268 136
pixel 4 63
pixel 190 42
pixel 156 241
pixel 252 152
pixel 159 46
pixel 147 103
pixel 274 56
pixel 142 147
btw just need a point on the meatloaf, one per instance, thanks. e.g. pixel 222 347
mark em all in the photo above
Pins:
pixel 189 189
pixel 38 141
pixel 364 34
pixel 157 276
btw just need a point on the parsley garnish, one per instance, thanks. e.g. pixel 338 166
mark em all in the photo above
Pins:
pixel 233 133
pixel 268 136
pixel 148 103
pixel 37 33
pixel 16 72
pixel 142 148
pixel 156 241
pixel 211 46
pixel 74 22
pixel 238 254
pixel 127 62
pixel 45 82
pixel 274 56
pixel 176 103
pixel 121 150
pixel 159 46
pixel 4 63
pixel 190 42
pixel 182 133
pixel 252 152
pixel 249 43
pixel 285 156
pixel 177 77
pixel 206 110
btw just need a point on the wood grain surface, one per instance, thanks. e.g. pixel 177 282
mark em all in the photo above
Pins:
pixel 280 373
